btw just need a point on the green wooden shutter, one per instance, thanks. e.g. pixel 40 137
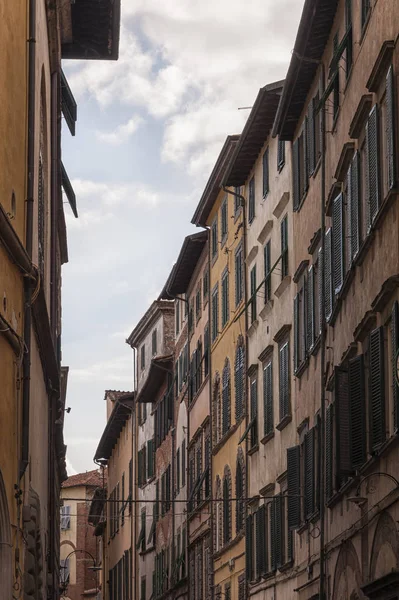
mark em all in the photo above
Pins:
pixel 279 542
pixel 254 412
pixel 357 412
pixel 284 382
pixel 296 333
pixel 268 398
pixel 293 486
pixel 377 388
pixel 259 542
pixel 239 382
pixel 390 127
pixel 310 309
pixel 354 210
pixel 253 294
pixel 329 449
pixel 338 244
pixel 319 290
pixel 249 548
pixel 150 458
pixel 394 351
pixel 309 469
pixel 295 171
pixel 342 420
pixel 304 167
pixel 267 264
pixel 266 172
pixel 225 400
pixel 372 176
pixel 273 536
pixel 328 275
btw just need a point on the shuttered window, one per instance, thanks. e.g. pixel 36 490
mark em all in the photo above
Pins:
pixel 394 353
pixel 214 237
pixel 293 483
pixel 267 274
pixel 273 536
pixel 224 219
pixel 266 172
pixel 342 420
pixel 372 175
pixel 284 381
pixel 311 138
pixel 253 294
pixel 254 413
pixel 328 306
pixel 177 470
pixel 390 125
pixel 239 381
pixel 280 155
pixel 377 388
pixel 295 175
pixel 123 499
pixel 279 531
pixel 249 566
pixel 260 532
pixel 353 209
pixel 239 274
pixel 226 399
pixel 357 412
pixel 225 298
pixel 338 244
pixel 215 313
pixel 251 200
pixel 130 485
pixel 206 350
pixel 240 504
pixel 268 398
pixel 284 247
pixel 150 459
pixel 226 510
pixel 310 311
pixel 183 463
pixel 41 218
pixel 366 7
pixel 329 450
pixel 309 472
pixel 349 34
pixel 297 361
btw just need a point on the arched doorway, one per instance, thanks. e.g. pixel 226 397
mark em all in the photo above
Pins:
pixel 5 545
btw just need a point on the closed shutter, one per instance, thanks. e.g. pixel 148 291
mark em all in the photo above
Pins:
pixel 225 400
pixel 293 487
pixel 273 536
pixel 319 290
pixel 311 137
pixel 253 294
pixel 278 514
pixel 372 176
pixel 296 333
pixel 354 210
pixel 296 182
pixel 266 172
pixel 342 420
pixel 304 166
pixel 284 382
pixel 357 412
pixel 329 449
pixel 267 262
pixel 268 398
pixel 239 381
pixel 338 244
pixel 249 548
pixel 150 458
pixel 328 275
pixel 309 474
pixel 377 391
pixel 310 309
pixel 183 463
pixel 254 412
pixel 390 127
pixel 261 566
pixel 394 350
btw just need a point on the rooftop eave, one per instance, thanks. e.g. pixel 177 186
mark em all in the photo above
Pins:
pixel 159 369
pixel 183 270
pixel 121 412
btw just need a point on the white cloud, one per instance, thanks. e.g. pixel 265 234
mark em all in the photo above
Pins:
pixel 70 469
pixel 122 133
pixel 115 370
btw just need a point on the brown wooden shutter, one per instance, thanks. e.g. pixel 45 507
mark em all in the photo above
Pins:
pixel 295 172
pixel 338 245
pixel 357 412
pixel 342 420
pixel 293 486
pixel 309 469
pixel 354 210
pixel 377 388
pixel 394 350
pixel 329 450
pixel 390 128
pixel 372 176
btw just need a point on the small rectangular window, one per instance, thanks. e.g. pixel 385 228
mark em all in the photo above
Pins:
pixel 284 247
pixel 237 199
pixel 280 155
pixel 225 298
pixel 215 313
pixel 224 221
pixel 253 294
pixel 154 342
pixel 266 172
pixel 267 273
pixel 214 237
pixel 254 413
pixel 205 286
pixel 206 350
pixel 239 273
pixel 142 354
pixel 284 381
pixel 198 301
pixel 251 200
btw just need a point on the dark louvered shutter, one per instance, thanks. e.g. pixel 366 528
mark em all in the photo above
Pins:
pixel 338 245
pixel 304 167
pixel 273 536
pixel 329 450
pixel 311 137
pixel 328 275
pixel 394 350
pixel 357 412
pixel 266 172
pixel 225 400
pixel 150 458
pixel 390 127
pixel 284 382
pixel 268 398
pixel 262 558
pixel 249 548
pixel 293 486
pixel 259 539
pixel 310 309
pixel 295 167
pixel 296 332
pixel 319 290
pixel 342 420
pixel 239 381
pixel 354 207
pixel 278 500
pixel 373 165
pixel 309 474
pixel 377 395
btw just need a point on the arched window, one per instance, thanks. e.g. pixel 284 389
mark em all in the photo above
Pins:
pixel 240 492
pixel 219 515
pixel 239 368
pixel 216 409
pixel 226 505
pixel 226 398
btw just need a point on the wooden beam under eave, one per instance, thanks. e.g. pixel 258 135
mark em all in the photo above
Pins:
pixel 65 21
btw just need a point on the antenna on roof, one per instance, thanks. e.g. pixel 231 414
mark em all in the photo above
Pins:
pixel 244 108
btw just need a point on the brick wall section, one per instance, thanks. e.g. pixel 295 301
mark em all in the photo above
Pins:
pixel 169 331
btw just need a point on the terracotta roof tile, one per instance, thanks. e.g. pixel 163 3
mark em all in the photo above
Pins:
pixel 90 478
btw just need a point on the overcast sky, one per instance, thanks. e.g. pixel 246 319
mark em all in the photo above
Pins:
pixel 150 127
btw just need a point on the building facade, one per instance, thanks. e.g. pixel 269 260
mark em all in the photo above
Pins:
pixel 79 548
pixel 35 35
pixel 223 212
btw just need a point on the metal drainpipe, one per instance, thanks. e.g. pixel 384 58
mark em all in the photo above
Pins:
pixel 323 350
pixel 29 237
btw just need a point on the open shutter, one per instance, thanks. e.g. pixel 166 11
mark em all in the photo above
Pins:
pixel 249 548
pixel 328 275
pixel 296 332
pixel 293 486
pixel 309 474
pixel 372 176
pixel 377 395
pixel 390 128
pixel 329 450
pixel 395 349
pixel 310 309
pixel 295 166
pixel 342 420
pixel 354 211
pixel 338 244
pixel 357 412
pixel 268 398
pixel 311 137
